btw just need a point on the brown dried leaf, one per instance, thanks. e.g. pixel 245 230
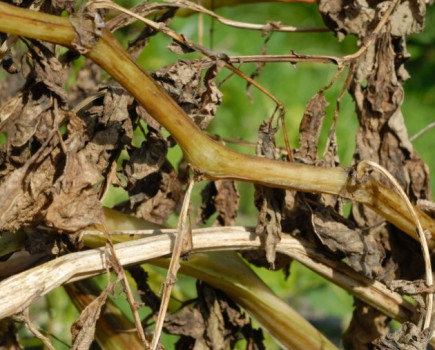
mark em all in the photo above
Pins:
pixel 362 251
pixel 155 197
pixel 269 201
pixel 9 335
pixel 310 128
pixel 20 116
pixel 215 322
pixel 154 187
pixel 182 81
pixel 188 322
pixel 83 329
pixel 179 48
pixel 221 196
pixel 407 337
pixel 74 211
pixel 366 325
pixel 148 297
pixel 147 159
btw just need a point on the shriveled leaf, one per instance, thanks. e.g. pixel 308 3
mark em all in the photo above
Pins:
pixel 310 128
pixel 269 201
pixel 182 81
pixel 213 323
pixel 9 335
pixel 154 187
pixel 361 250
pixel 147 159
pixel 220 196
pixel 83 330
pixel 407 337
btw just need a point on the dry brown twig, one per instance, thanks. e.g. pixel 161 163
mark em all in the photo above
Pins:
pixel 422 132
pixel 145 9
pixel 46 341
pixel 174 266
pixel 115 262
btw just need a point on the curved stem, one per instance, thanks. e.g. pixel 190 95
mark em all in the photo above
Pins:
pixel 206 156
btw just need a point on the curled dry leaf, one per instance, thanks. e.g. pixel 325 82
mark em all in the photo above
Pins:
pixel 214 322
pixel 377 90
pixel 83 329
pixel 182 81
pixel 153 184
pixel 362 251
pixel 9 335
pixel 220 196
pixel 407 337
pixel 269 201
pixel 310 128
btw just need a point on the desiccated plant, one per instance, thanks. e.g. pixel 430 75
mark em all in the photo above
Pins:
pixel 64 148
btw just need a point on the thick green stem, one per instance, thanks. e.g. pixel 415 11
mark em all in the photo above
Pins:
pixel 206 156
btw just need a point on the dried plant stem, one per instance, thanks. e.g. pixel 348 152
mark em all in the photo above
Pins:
pixel 276 27
pixel 46 341
pixel 206 156
pixel 126 286
pixel 422 131
pixel 365 165
pixel 204 7
pixel 174 266
pixel 19 291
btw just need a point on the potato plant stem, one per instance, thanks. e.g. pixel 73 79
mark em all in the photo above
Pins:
pixel 207 157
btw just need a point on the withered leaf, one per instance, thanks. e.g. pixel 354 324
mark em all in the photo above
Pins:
pixel 153 184
pixel 147 159
pixel 221 196
pixel 269 201
pixel 363 253
pixel 9 335
pixel 182 81
pixel 310 128
pixel 214 322
pixel 83 329
pixel 407 337
pixel 367 324
pixel 73 211
pixel 179 48
pixel 187 322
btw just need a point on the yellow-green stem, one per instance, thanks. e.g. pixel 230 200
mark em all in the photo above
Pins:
pixel 207 156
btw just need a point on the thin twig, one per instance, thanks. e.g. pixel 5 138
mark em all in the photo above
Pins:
pixel 46 341
pixel 141 9
pixel 422 131
pixel 361 168
pixel 173 267
pixel 126 286
pixel 270 26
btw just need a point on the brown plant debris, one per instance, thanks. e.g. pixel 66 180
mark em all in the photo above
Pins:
pixel 83 329
pixel 214 322
pixel 153 184
pixel 222 197
pixel 269 201
pixel 182 81
pixel 310 128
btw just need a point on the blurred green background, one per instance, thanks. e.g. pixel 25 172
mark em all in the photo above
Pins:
pixel 326 305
